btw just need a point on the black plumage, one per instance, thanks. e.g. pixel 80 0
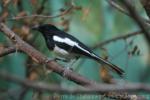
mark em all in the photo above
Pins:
pixel 67 46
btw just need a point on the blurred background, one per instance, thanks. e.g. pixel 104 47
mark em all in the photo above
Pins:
pixel 92 22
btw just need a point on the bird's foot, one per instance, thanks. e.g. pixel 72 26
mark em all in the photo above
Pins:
pixel 47 70
pixel 50 59
pixel 67 70
pixel 60 59
pixel 56 59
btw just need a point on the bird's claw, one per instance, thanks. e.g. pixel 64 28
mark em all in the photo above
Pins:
pixel 67 70
pixel 61 59
pixel 55 59
pixel 50 59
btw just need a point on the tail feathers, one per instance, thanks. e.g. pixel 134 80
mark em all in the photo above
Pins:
pixel 118 70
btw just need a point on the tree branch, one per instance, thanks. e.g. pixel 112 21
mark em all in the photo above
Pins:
pixel 121 9
pixel 137 19
pixel 146 5
pixel 101 89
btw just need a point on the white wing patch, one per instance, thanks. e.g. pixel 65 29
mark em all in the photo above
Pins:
pixel 64 40
pixel 69 42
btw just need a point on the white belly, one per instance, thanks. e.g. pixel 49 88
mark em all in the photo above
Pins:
pixel 60 51
pixel 63 53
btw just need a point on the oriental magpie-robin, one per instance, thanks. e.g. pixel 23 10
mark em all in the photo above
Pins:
pixel 68 47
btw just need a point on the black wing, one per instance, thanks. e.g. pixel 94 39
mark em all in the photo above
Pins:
pixel 79 49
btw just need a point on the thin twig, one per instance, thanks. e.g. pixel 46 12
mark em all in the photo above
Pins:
pixel 101 44
pixel 44 16
pixel 118 7
pixel 7 51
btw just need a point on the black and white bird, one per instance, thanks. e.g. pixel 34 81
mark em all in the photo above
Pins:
pixel 68 47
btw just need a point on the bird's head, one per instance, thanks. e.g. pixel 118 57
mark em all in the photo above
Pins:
pixel 45 28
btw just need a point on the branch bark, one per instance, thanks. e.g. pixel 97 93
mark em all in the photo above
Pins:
pixel 102 88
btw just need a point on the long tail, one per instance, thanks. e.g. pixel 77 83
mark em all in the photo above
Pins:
pixel 118 70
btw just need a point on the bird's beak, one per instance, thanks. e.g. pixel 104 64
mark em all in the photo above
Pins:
pixel 36 27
